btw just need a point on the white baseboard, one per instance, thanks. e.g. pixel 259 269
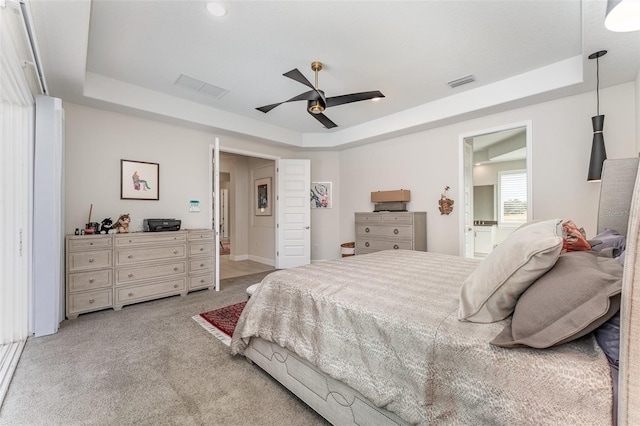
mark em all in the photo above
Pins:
pixel 9 356
pixel 262 260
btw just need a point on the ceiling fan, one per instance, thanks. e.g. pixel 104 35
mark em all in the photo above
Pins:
pixel 316 101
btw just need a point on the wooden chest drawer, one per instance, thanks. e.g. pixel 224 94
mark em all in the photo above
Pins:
pixel 81 281
pixel 396 217
pixel 89 242
pixel 155 238
pixel 201 265
pixel 154 290
pixel 134 255
pixel 376 245
pixel 89 301
pixel 201 281
pixel 203 234
pixel 89 260
pixel 399 231
pixel 203 248
pixel 368 217
pixel 128 275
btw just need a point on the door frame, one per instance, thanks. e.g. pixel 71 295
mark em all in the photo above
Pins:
pixel 528 124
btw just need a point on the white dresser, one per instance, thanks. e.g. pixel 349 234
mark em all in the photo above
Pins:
pixel 110 271
pixel 390 230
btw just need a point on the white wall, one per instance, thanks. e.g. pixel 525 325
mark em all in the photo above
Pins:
pixel 97 140
pixel 426 162
pixel 423 162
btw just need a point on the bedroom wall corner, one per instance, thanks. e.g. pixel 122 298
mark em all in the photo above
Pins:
pixel 326 233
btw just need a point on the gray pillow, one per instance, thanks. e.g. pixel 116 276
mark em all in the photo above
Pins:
pixel 490 293
pixel 579 294
pixel 606 239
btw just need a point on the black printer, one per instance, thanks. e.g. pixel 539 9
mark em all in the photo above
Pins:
pixel 158 225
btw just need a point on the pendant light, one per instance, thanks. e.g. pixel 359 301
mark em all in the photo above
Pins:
pixel 622 15
pixel 598 152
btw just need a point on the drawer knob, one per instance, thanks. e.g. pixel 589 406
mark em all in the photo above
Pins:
pixel 366 244
pixel 366 229
pixel 201 248
pixel 130 256
pixel 129 240
pixel 202 280
pixel 130 294
pixel 91 260
pixel 175 268
pixel 91 280
pixel 395 247
pixel 91 243
pixel 91 300
pixel 175 252
pixel 395 231
pixel 130 275
pixel 202 265
pixel 175 286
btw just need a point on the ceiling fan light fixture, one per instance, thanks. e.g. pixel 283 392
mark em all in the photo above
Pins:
pixel 217 9
pixel 316 107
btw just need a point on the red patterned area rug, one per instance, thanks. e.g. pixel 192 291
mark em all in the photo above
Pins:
pixel 221 322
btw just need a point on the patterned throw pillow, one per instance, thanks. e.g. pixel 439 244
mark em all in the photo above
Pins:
pixel 574 238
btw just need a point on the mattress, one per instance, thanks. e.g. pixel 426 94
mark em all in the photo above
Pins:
pixel 386 325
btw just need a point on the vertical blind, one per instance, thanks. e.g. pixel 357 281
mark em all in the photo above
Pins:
pixel 513 197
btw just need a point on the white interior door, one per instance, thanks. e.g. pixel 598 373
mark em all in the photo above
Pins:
pixel 293 210
pixel 215 208
pixel 469 236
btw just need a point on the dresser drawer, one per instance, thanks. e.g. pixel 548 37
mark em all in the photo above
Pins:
pixel 128 275
pixel 373 244
pixel 89 243
pixel 396 217
pixel 200 235
pixel 368 217
pixel 201 281
pixel 89 301
pixel 81 281
pixel 126 240
pixel 139 293
pixel 203 248
pixel 89 260
pixel 399 231
pixel 201 265
pixel 129 256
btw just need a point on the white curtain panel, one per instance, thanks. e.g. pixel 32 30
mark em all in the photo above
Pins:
pixel 16 159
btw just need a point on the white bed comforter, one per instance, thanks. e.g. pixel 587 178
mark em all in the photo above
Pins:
pixel 386 325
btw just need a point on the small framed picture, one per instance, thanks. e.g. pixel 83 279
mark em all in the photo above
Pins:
pixel 263 197
pixel 139 180
pixel 321 195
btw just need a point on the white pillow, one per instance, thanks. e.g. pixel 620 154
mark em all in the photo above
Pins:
pixel 490 293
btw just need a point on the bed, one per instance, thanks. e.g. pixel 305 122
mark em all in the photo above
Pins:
pixel 393 337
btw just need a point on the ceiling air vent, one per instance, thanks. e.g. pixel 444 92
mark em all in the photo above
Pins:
pixel 200 86
pixel 462 80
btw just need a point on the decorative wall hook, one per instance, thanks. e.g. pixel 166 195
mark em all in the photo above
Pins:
pixel 446 203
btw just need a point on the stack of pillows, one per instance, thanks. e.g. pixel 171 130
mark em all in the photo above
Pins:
pixel 555 285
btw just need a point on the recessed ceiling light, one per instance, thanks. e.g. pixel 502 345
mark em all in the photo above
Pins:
pixel 375 99
pixel 216 9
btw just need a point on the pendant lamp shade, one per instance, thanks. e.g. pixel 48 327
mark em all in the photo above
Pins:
pixel 622 15
pixel 598 151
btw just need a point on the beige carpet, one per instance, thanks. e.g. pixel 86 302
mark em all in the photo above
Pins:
pixel 148 364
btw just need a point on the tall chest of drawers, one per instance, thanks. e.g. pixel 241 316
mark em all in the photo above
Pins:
pixel 89 274
pixel 390 230
pixel 201 262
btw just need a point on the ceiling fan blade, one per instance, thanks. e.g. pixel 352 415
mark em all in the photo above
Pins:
pixel 353 97
pixel 296 75
pixel 306 96
pixel 324 120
